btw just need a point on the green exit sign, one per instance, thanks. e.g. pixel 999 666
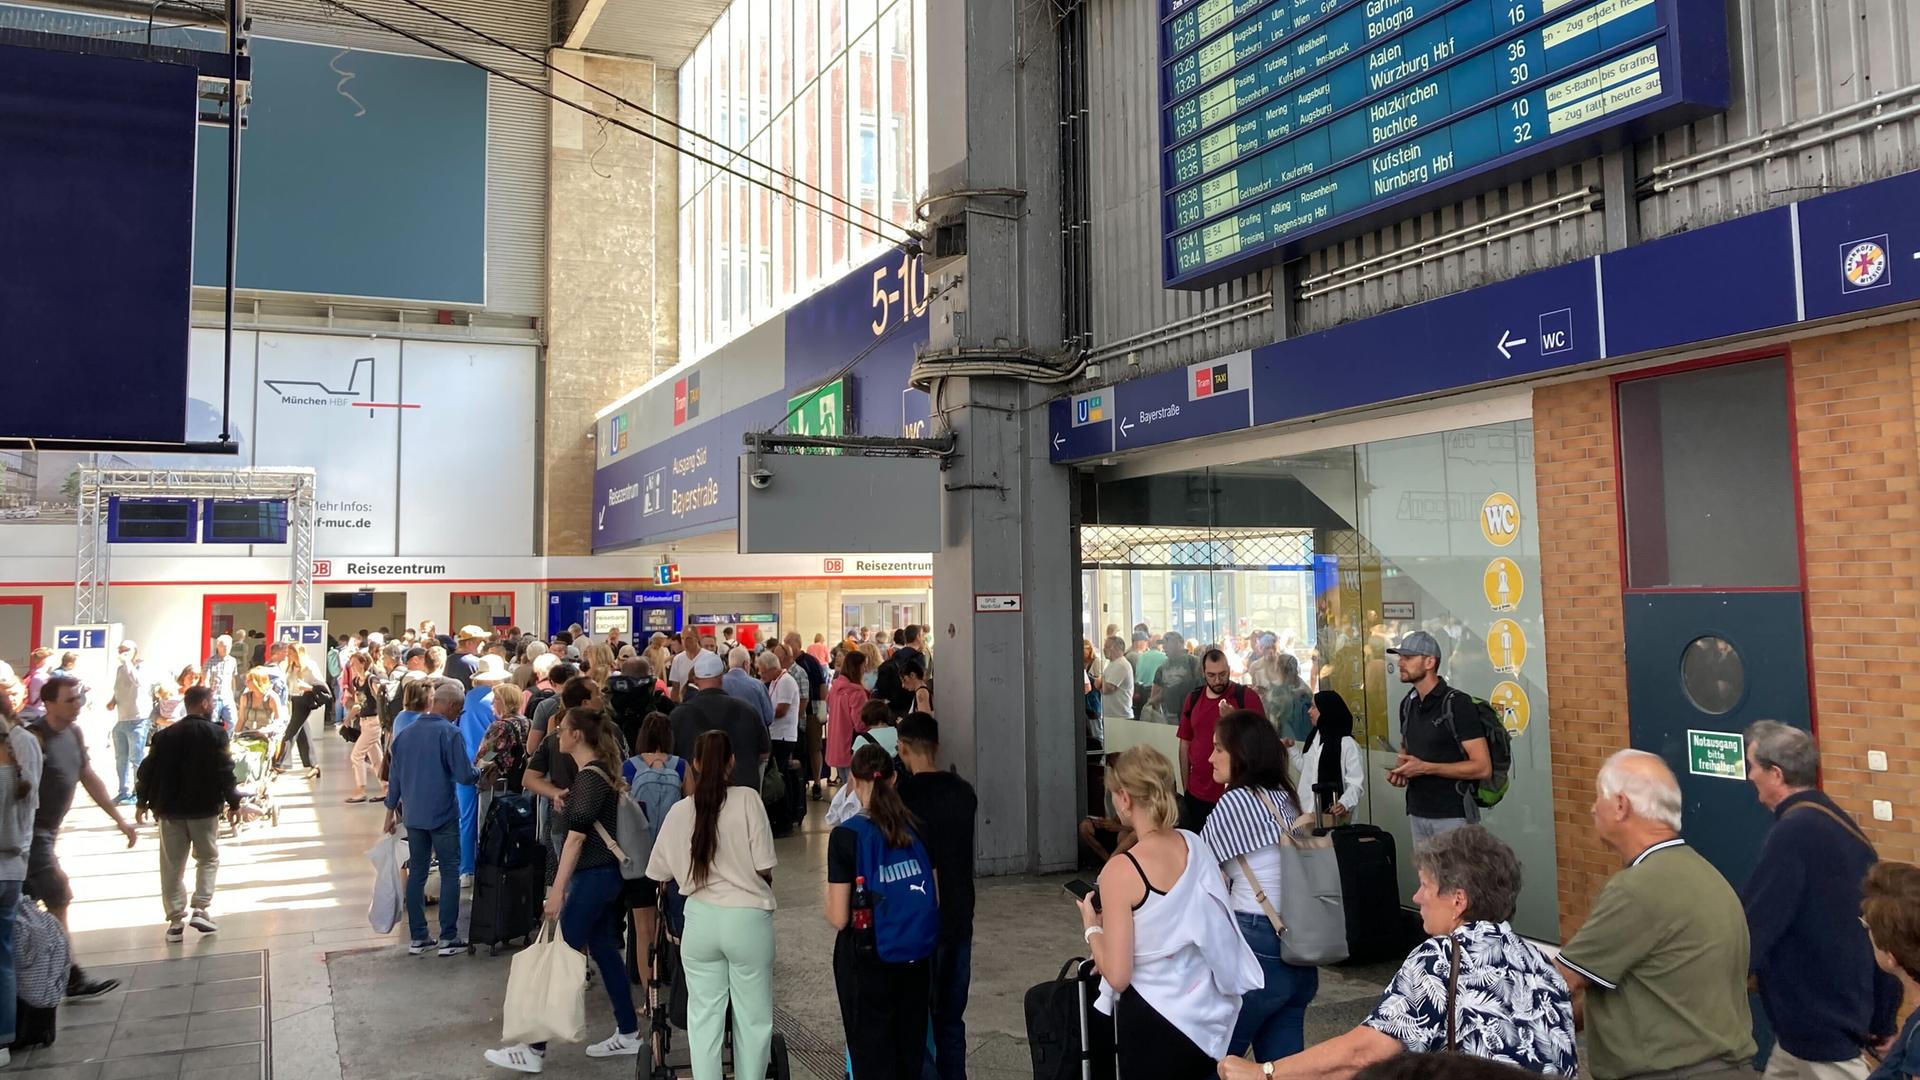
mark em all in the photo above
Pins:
pixel 821 412
pixel 1716 753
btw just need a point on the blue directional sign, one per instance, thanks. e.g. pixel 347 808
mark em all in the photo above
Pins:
pixel 1290 120
pixel 306 633
pixel 67 639
pixel 1204 399
pixel 1080 426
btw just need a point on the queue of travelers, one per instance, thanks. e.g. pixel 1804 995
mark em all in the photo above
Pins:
pixel 1181 925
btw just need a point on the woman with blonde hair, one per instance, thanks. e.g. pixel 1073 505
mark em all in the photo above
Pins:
pixel 598 661
pixel 259 705
pixel 305 685
pixel 503 751
pixel 1172 962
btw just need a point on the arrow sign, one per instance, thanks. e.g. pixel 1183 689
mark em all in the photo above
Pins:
pixel 1508 341
pixel 1058 442
pixel 1124 427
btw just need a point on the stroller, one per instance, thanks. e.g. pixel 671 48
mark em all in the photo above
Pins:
pixel 252 753
pixel 661 1060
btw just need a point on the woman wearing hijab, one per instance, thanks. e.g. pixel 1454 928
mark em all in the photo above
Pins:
pixel 1330 763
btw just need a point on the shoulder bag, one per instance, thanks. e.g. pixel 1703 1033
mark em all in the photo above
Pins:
pixel 1312 920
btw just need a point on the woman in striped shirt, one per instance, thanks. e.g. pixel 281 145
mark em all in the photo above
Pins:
pixel 1244 833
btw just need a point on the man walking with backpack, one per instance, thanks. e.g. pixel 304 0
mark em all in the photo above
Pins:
pixel 1444 743
pixel 1199 715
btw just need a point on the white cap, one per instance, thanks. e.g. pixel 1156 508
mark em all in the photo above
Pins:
pixel 708 665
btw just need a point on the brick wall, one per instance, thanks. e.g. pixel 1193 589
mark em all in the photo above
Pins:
pixel 613 302
pixel 1856 402
pixel 1580 602
pixel 1857 409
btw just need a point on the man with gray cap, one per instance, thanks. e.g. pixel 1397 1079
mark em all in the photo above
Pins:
pixel 708 707
pixel 1443 743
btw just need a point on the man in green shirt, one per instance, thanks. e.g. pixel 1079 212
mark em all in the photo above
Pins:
pixel 1145 660
pixel 1659 971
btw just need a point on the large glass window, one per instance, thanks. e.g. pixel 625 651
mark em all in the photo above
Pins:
pixel 1306 569
pixel 822 90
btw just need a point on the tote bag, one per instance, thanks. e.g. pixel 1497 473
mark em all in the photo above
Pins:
pixel 1312 917
pixel 546 991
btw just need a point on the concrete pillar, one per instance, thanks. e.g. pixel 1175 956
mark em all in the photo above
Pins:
pixel 1007 691
pixel 613 257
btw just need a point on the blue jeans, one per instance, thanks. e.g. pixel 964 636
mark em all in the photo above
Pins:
pixel 951 976
pixel 1273 1017
pixel 468 798
pixel 129 750
pixel 593 920
pixel 9 1007
pixel 441 845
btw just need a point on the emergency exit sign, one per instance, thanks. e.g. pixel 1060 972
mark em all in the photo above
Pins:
pixel 1716 753
pixel 820 412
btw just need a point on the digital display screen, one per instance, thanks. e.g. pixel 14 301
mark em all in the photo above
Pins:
pixel 1285 119
pixel 150 521
pixel 246 521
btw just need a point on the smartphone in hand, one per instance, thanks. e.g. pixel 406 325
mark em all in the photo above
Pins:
pixel 1080 890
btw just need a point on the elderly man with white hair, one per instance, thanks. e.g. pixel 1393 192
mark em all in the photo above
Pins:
pixel 1659 971
pixel 741 683
pixel 221 674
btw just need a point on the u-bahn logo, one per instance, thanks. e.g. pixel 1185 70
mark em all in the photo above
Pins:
pixel 1865 264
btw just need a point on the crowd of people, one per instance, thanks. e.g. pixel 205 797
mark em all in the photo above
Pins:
pixel 721 743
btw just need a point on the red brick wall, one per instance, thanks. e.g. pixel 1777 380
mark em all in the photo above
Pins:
pixel 1857 409
pixel 1856 402
pixel 1580 602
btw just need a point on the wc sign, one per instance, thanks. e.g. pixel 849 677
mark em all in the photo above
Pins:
pixel 1500 519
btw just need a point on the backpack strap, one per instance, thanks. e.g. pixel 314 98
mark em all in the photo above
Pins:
pixel 1844 822
pixel 1193 698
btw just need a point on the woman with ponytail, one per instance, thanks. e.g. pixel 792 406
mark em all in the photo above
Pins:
pixel 717 846
pixel 883 899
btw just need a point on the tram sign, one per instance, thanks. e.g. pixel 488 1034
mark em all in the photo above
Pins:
pixel 1289 120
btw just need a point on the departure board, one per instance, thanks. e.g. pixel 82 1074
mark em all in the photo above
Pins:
pixel 1290 123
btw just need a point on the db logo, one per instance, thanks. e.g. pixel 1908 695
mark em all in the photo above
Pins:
pixel 833 566
pixel 323 568
pixel 1500 519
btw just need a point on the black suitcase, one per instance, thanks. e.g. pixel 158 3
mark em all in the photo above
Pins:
pixel 1378 928
pixel 33 1027
pixel 506 905
pixel 1068 1038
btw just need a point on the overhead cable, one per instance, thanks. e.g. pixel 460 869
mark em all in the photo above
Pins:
pixel 639 108
pixel 454 54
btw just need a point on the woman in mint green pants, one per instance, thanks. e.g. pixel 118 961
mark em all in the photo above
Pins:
pixel 718 847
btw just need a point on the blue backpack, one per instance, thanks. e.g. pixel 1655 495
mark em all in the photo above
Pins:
pixel 655 789
pixel 906 913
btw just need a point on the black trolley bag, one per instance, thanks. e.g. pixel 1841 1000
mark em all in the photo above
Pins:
pixel 509 876
pixel 1378 928
pixel 1068 1038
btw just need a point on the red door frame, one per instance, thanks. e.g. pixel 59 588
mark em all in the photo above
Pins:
pixel 453 624
pixel 1783 353
pixel 271 600
pixel 33 604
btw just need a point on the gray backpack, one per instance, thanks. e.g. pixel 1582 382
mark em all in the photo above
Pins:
pixel 633 844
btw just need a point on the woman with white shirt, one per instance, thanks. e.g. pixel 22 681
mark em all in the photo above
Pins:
pixel 1173 965
pixel 717 844
pixel 305 683
pixel 1331 768
pixel 1244 834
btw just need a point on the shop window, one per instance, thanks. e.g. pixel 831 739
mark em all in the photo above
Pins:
pixel 1707 479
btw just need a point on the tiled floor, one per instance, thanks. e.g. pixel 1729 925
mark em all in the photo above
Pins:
pixel 198 1017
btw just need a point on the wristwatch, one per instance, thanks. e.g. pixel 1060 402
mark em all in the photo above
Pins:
pixel 1266 1068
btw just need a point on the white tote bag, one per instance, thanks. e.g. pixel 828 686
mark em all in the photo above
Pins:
pixel 389 901
pixel 546 991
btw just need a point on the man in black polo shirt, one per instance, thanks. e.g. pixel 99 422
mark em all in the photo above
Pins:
pixel 945 806
pixel 710 708
pixel 1443 745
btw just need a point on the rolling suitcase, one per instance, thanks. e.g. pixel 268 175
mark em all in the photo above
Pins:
pixel 1378 928
pixel 510 876
pixel 1068 1038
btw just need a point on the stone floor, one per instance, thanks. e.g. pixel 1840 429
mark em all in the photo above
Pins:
pixel 344 1002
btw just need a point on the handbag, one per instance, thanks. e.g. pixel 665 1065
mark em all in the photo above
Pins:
pixel 1312 922
pixel 351 731
pixel 546 991
pixel 773 786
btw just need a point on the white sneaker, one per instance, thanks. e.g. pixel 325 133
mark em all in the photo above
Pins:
pixel 176 933
pixel 619 1045
pixel 520 1058
pixel 6 1057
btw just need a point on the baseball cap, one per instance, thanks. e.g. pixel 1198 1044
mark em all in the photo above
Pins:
pixel 127 645
pixel 1418 643
pixel 1142 635
pixel 708 665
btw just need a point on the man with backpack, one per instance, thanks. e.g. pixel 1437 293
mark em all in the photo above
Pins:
pixel 1444 743
pixel 1199 715
pixel 946 807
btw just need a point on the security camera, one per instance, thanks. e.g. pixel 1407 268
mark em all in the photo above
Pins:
pixel 761 478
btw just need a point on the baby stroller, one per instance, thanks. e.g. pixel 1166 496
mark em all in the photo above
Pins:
pixel 252 753
pixel 667 1008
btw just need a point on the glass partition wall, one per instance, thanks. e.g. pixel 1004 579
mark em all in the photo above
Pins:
pixel 1318 562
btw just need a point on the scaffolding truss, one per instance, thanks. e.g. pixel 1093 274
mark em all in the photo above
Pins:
pixel 93 556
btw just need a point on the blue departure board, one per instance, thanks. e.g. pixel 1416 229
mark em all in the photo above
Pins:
pixel 1290 123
